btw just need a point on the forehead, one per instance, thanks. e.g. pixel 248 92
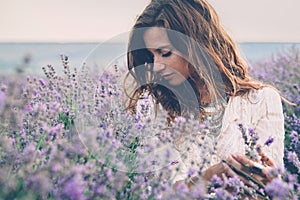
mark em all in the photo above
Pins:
pixel 156 37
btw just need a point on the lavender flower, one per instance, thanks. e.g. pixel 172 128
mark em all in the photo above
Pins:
pixel 269 141
pixel 198 192
pixel 69 137
pixel 74 188
pixel 250 139
pixel 236 184
pixel 282 71
pixel 2 99
pixel 279 189
pixel 294 139
pixel 252 134
pixel 223 194
pixel 293 158
pixel 216 181
pixel 182 189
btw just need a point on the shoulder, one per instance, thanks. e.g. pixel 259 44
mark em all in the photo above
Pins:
pixel 255 100
pixel 254 105
pixel 265 94
pixel 256 97
pixel 266 97
pixel 263 103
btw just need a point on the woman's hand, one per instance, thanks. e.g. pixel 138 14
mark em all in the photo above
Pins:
pixel 221 169
pixel 254 170
pixel 237 165
pixel 243 167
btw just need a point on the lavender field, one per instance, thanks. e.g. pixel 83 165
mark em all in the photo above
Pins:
pixel 67 136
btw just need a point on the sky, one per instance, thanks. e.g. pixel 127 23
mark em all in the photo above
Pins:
pixel 99 20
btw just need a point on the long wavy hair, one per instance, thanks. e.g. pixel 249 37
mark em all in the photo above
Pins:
pixel 214 52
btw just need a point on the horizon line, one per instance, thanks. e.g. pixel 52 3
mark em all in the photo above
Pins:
pixel 118 42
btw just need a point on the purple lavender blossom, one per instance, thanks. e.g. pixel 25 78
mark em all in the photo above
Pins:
pixel 269 141
pixel 191 172
pixel 236 184
pixel 139 125
pixel 198 192
pixel 74 188
pixel 39 182
pixel 216 181
pixel 180 120
pixel 279 189
pixel 223 194
pixel 253 135
pixel 250 138
pixel 42 82
pixel 2 100
pixel 294 139
pixel 59 151
pixel 293 158
pixel 182 189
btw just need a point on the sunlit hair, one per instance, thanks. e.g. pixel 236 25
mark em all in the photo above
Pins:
pixel 198 20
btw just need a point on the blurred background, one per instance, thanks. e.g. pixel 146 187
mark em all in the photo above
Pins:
pixel 35 33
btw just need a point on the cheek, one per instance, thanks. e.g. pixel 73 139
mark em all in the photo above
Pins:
pixel 180 65
pixel 185 69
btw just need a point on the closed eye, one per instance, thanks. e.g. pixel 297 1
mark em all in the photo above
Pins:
pixel 167 54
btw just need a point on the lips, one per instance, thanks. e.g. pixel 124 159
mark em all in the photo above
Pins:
pixel 166 76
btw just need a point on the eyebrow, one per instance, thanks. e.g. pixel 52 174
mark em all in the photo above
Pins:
pixel 168 46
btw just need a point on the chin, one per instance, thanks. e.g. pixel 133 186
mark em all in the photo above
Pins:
pixel 177 81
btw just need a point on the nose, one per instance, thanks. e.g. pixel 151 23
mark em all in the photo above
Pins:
pixel 158 66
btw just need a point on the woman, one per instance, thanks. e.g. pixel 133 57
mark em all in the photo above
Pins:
pixel 180 54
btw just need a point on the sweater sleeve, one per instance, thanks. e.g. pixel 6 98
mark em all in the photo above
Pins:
pixel 271 124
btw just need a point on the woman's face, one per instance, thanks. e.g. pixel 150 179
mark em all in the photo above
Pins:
pixel 167 61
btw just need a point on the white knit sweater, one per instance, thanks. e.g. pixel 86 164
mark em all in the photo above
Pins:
pixel 260 110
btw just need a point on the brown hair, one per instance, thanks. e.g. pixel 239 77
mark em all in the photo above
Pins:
pixel 197 20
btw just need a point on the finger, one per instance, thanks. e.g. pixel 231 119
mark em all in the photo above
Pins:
pixel 262 179
pixel 231 173
pixel 224 177
pixel 228 171
pixel 242 159
pixel 246 177
pixel 216 169
pixel 261 171
pixel 238 166
pixel 232 161
pixel 247 163
pixel 264 158
pixel 253 167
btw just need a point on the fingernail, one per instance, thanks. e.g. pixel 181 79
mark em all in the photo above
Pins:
pixel 235 156
pixel 247 165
